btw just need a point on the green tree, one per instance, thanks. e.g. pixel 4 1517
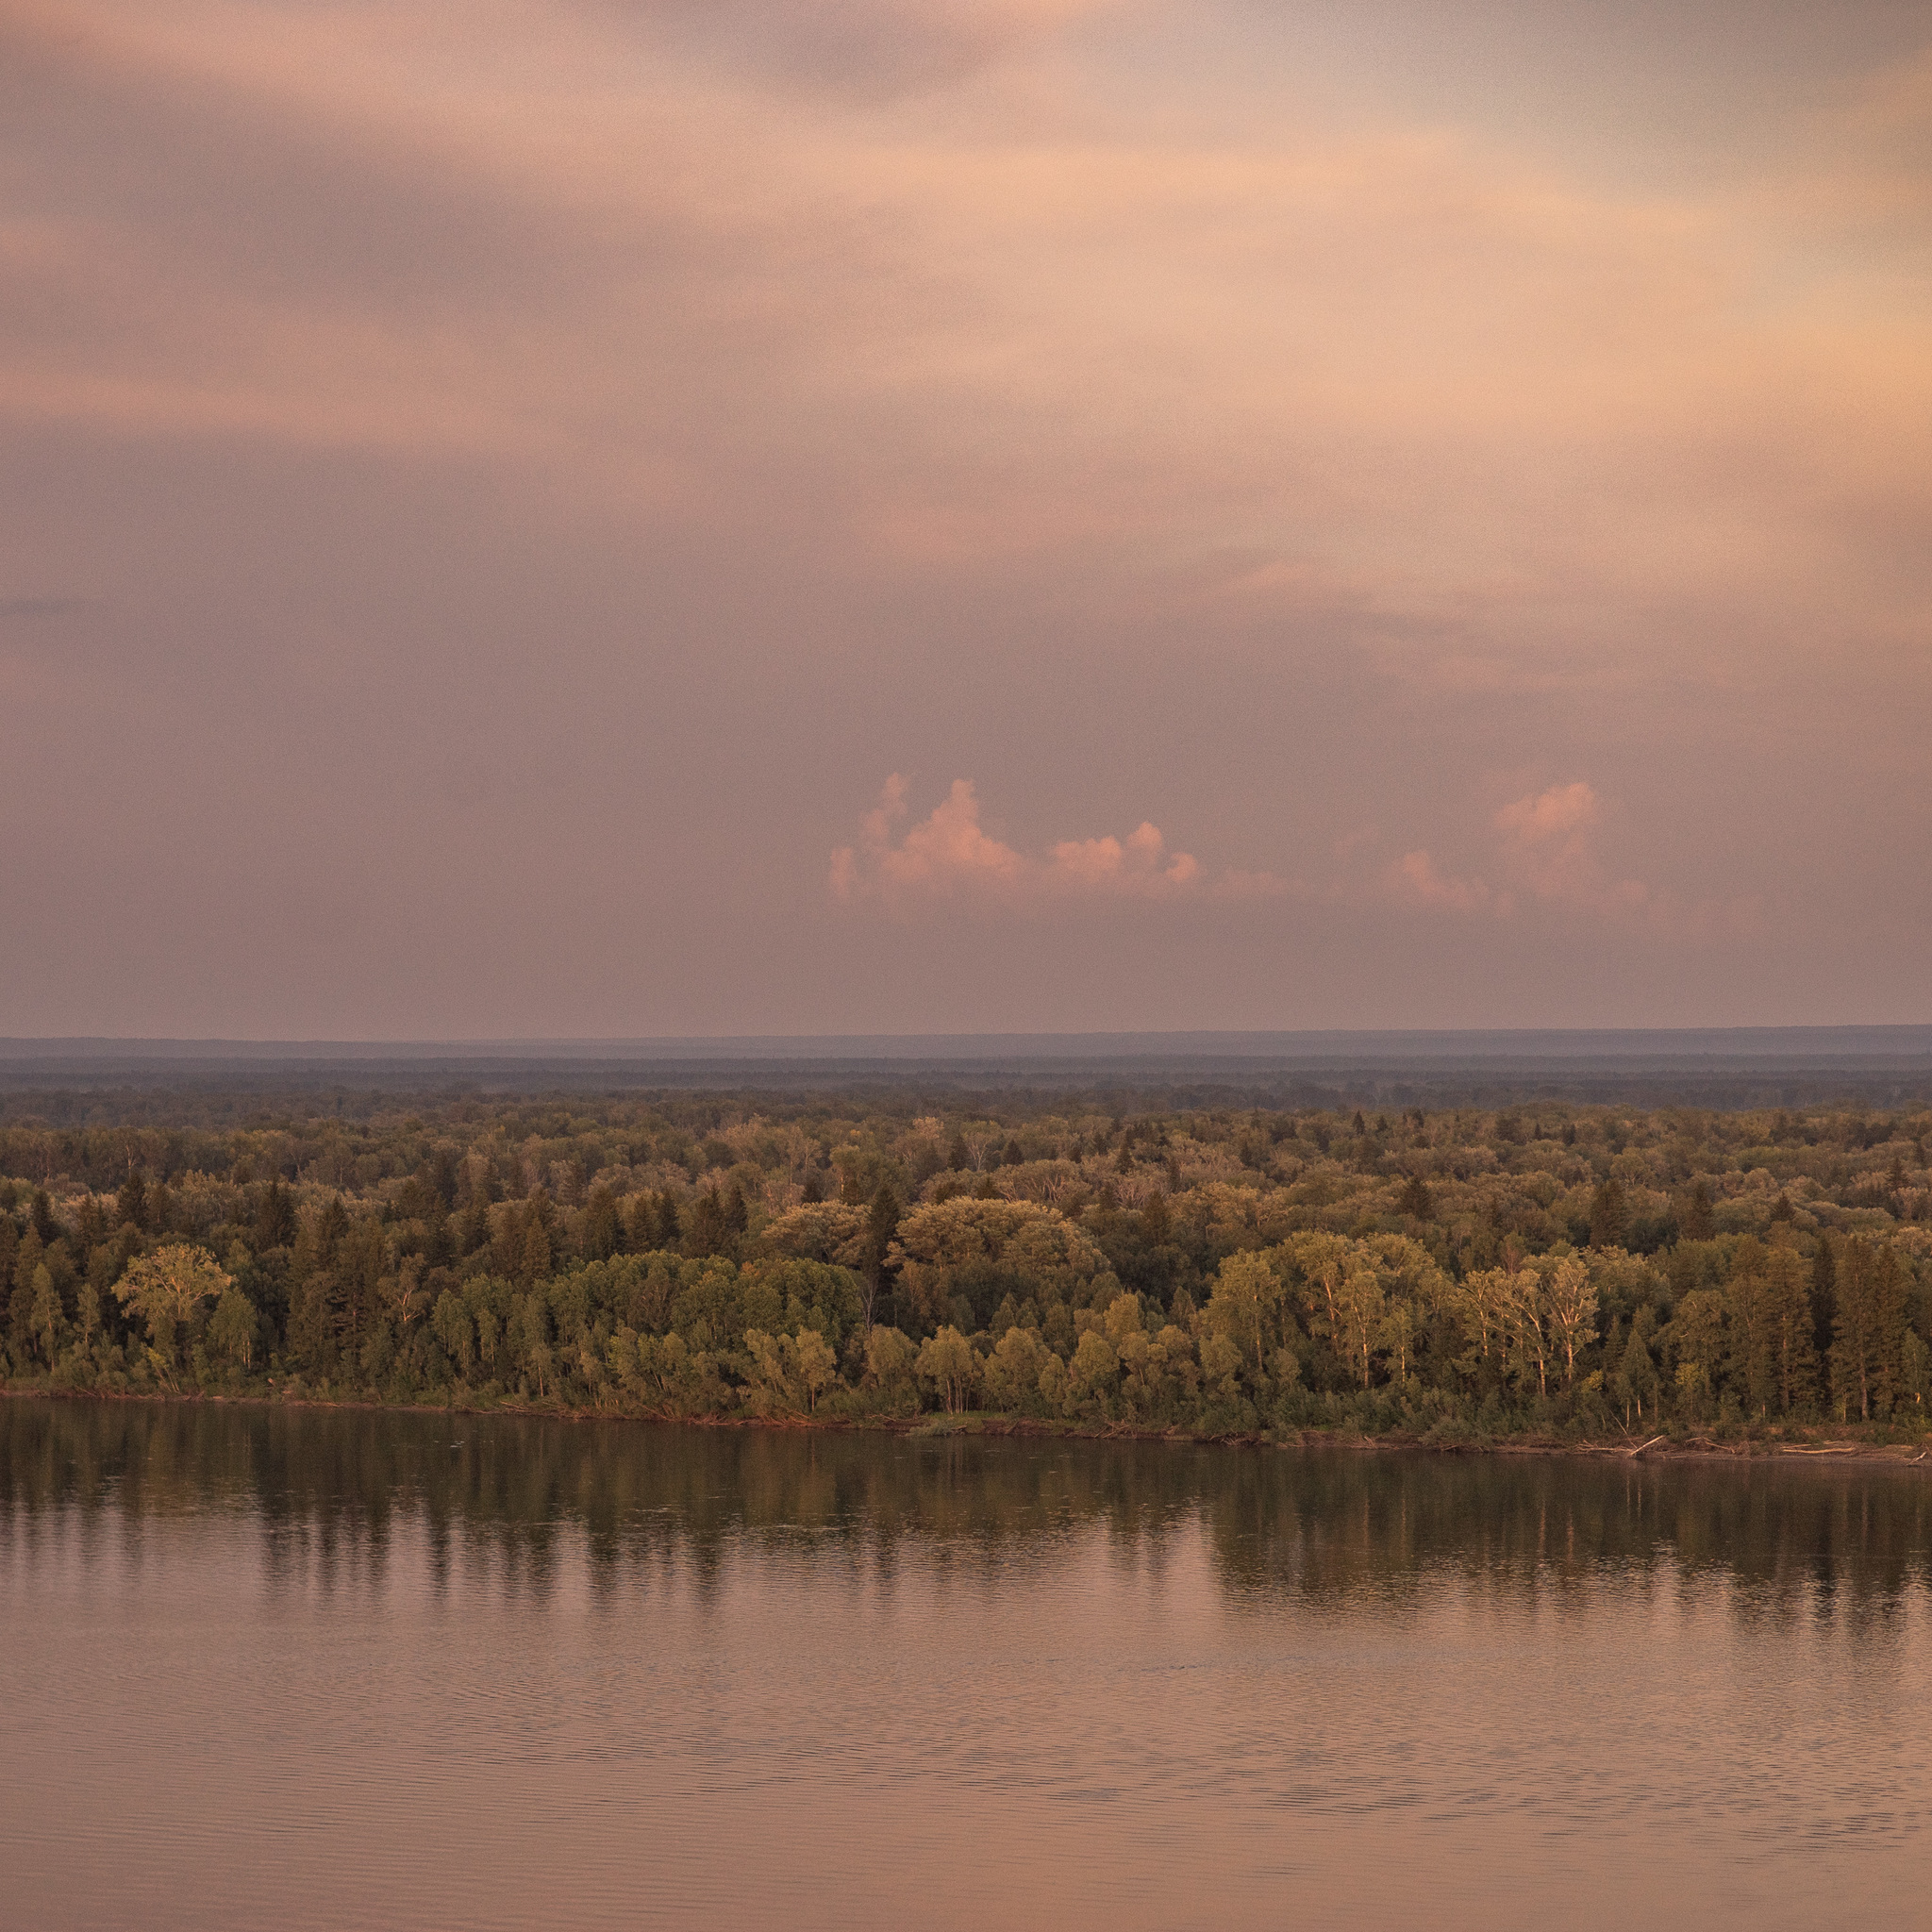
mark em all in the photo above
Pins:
pixel 889 1357
pixel 947 1365
pixel 46 1327
pixel 768 1380
pixel 1484 1298
pixel 707 1232
pixel 1093 1371
pixel 231 1328
pixel 1397 1337
pixel 1752 1319
pixel 1915 1364
pixel 1361 1307
pixel 1247 1303
pixel 451 1322
pixel 1869 1331
pixel 88 1313
pixel 1157 1223
pixel 875 1254
pixel 1794 1358
pixel 130 1205
pixel 167 1290
pixel 1322 1260
pixel 1569 1296
pixel 1637 1377
pixel 812 1365
pixel 28 1253
pixel 1696 1221
pixel 1013 1371
pixel 274 1218
pixel 1608 1214
pixel 1696 1341
pixel 1526 1326
pixel 602 1226
pixel 1823 1295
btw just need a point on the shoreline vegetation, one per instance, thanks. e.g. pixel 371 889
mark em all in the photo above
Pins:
pixel 1885 1448
pixel 1548 1276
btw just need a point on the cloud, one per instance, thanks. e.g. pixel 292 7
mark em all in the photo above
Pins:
pixel 679 399
pixel 1545 854
pixel 1548 851
pixel 1416 875
pixel 950 854
pixel 860 47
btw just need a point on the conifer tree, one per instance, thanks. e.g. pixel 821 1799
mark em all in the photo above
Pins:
pixel 1795 1357
pixel 26 1258
pixel 1697 1221
pixel 130 1205
pixel 881 1224
pixel 274 1219
pixel 1823 1295
pixel 1869 1333
pixel 1157 1228
pixel 707 1232
pixel 603 1230
pixel 667 1224
pixel 1608 1214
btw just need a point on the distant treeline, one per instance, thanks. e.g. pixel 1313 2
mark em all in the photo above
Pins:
pixel 215 1095
pixel 1448 1274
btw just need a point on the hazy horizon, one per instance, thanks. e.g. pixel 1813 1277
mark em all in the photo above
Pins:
pixel 631 518
pixel 1905 1040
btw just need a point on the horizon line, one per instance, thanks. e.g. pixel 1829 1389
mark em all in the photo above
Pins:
pixel 1888 1040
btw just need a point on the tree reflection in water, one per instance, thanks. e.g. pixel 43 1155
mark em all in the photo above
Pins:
pixel 330 1489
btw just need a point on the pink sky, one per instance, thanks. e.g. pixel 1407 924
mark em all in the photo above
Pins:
pixel 1399 515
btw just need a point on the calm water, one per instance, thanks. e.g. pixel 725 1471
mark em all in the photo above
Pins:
pixel 306 1669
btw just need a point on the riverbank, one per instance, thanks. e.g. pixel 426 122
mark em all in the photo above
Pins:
pixel 1878 1447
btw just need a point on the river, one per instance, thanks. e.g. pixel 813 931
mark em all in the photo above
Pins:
pixel 307 1668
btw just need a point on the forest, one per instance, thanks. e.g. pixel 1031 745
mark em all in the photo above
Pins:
pixel 1557 1271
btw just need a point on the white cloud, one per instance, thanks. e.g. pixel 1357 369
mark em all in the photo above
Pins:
pixel 950 854
pixel 1545 854
pixel 1416 875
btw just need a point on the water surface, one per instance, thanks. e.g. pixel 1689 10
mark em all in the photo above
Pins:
pixel 303 1669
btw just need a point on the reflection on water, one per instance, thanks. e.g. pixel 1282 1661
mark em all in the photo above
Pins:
pixel 335 1666
pixel 1313 1528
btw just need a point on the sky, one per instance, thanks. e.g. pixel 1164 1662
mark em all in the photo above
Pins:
pixel 622 518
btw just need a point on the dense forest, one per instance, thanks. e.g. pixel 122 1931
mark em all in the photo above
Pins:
pixel 1453 1276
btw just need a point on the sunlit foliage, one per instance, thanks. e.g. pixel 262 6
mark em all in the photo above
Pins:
pixel 1228 1270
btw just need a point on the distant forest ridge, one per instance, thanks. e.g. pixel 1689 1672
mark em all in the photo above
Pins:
pixel 77 1081
pixel 1590 1046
